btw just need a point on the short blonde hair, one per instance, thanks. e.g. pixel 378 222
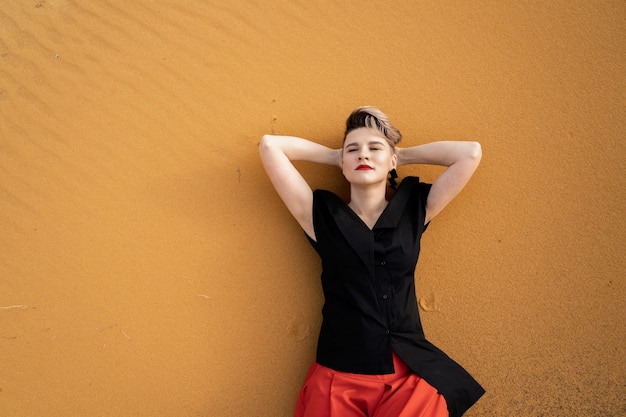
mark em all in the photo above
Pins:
pixel 372 118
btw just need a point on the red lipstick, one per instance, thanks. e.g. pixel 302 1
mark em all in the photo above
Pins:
pixel 363 167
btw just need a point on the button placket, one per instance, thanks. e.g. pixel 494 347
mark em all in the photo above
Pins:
pixel 383 288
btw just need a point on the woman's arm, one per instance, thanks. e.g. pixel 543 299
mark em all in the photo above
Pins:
pixel 277 154
pixel 461 158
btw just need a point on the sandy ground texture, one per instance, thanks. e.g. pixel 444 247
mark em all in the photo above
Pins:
pixel 147 267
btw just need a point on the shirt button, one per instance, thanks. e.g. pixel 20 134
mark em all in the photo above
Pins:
pixel 383 263
pixel 385 297
pixel 387 331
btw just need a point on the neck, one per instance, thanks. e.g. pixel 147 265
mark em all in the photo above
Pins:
pixel 368 200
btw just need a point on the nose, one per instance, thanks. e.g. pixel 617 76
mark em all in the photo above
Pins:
pixel 363 154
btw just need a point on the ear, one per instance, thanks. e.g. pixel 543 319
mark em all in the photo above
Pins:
pixel 394 161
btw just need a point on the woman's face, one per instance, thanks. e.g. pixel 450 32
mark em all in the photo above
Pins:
pixel 367 157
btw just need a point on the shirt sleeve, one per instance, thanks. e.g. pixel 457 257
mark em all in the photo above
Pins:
pixel 421 190
pixel 319 204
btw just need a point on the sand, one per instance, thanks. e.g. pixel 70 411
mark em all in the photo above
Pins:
pixel 147 267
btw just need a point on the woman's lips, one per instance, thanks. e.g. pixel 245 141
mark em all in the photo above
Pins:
pixel 363 167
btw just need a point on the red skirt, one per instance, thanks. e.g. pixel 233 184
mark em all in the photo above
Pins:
pixel 329 393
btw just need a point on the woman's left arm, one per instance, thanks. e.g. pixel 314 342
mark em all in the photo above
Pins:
pixel 461 158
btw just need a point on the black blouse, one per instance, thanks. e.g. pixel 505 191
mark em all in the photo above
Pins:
pixel 370 306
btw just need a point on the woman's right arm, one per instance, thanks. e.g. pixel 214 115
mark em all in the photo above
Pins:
pixel 277 154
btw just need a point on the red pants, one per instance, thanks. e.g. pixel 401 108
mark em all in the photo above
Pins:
pixel 329 393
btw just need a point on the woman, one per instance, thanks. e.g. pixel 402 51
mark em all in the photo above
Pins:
pixel 372 356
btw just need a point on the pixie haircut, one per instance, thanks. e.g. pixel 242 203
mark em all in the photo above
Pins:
pixel 372 118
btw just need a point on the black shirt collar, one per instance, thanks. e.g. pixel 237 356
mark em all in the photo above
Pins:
pixel 357 233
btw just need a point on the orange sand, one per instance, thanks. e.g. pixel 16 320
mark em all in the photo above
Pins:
pixel 147 268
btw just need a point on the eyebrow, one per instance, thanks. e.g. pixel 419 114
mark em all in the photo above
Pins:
pixel 374 142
